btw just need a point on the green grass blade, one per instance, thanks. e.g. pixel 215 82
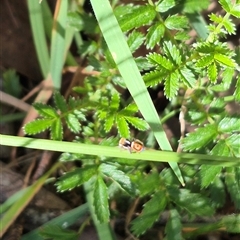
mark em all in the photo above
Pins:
pixel 36 20
pixel 58 42
pixel 127 67
pixel 66 219
pixel 115 152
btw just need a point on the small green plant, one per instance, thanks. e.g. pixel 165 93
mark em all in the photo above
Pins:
pixel 195 78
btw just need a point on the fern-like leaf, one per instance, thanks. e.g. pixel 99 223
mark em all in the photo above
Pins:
pixel 154 35
pixel 38 126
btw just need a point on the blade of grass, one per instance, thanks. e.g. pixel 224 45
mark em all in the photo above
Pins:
pixel 127 67
pixel 58 42
pixel 67 219
pixel 115 152
pixel 36 20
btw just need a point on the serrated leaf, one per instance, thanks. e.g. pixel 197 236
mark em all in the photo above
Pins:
pixel 100 200
pixel 37 126
pixel 217 193
pixel 76 178
pixel 114 103
pixel 237 91
pixel 154 35
pixel 129 109
pixel 230 27
pixel 193 203
pixel 229 124
pixel 171 85
pixel 150 213
pixel 165 5
pixel 140 16
pixel 187 77
pixel 200 138
pixel 45 111
pixel 160 60
pixel 235 11
pixel 138 123
pixel 205 61
pixel 221 149
pixel 234 145
pixel 173 228
pixel 122 127
pixel 225 60
pixel 172 52
pixel 226 4
pixel 109 121
pixel 208 174
pixel 73 123
pixel 212 72
pixel 176 22
pixel 155 77
pixel 135 40
pixel 57 130
pixel 120 177
pixel 60 102
pixel 233 186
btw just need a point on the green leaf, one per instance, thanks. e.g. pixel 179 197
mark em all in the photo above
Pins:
pixel 122 127
pixel 109 121
pixel 138 123
pixel 129 109
pixel 171 85
pixel 165 5
pixel 225 60
pixel 212 72
pixel 237 91
pixel 229 125
pixel 120 177
pixel 55 232
pixel 76 178
pixel 173 228
pixel 57 130
pixel 226 5
pixel 150 213
pixel 176 22
pixel 208 174
pixel 172 52
pixel 193 203
pixel 154 35
pixel 230 26
pixel 233 186
pixel 45 111
pixel 114 103
pixel 187 77
pixel 37 126
pixel 160 60
pixel 100 200
pixel 234 145
pixel 217 193
pixel 200 138
pixel 205 61
pixel 135 40
pixel 232 223
pixel 140 16
pixel 155 77
pixel 73 123
pixel 190 6
pixel 235 11
pixel 60 102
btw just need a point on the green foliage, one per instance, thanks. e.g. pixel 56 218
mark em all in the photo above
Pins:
pixel 202 78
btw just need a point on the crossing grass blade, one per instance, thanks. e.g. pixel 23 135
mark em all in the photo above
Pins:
pixel 122 55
